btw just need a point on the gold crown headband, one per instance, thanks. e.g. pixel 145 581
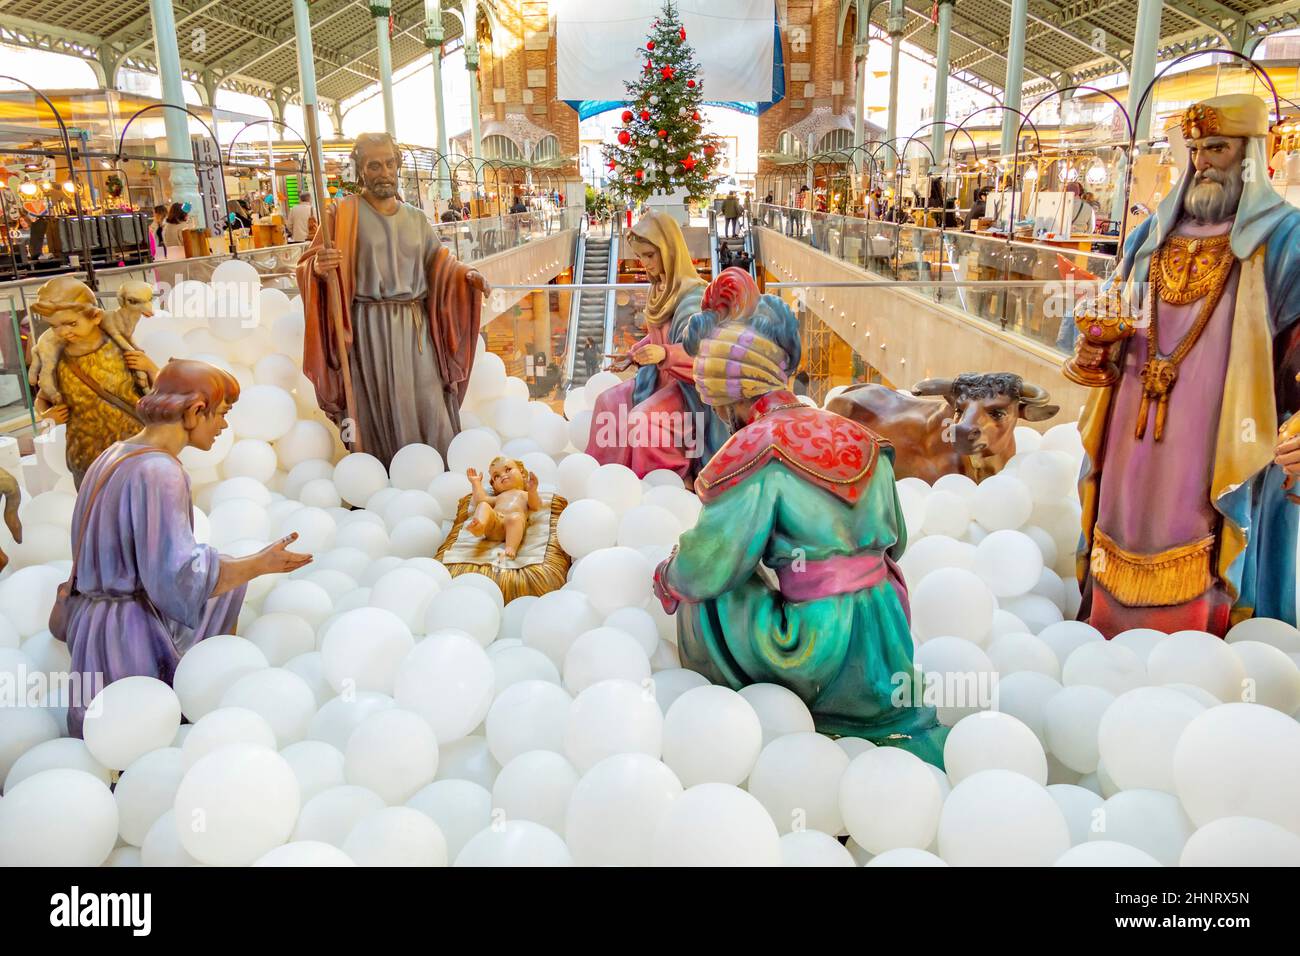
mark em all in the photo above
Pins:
pixel 1200 120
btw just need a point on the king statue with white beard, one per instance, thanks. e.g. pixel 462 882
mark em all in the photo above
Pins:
pixel 1188 519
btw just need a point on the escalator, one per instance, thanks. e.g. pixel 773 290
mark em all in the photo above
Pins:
pixel 591 308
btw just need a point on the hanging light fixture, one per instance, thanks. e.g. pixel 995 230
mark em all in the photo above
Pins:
pixel 28 188
pixel 69 188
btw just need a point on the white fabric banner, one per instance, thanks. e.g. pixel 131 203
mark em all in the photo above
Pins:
pixel 597 46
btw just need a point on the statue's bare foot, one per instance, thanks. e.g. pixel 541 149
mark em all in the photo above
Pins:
pixel 510 552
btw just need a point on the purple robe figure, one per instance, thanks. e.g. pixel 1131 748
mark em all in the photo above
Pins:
pixel 144 585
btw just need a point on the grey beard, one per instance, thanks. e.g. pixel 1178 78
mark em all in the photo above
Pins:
pixel 1213 202
pixel 381 192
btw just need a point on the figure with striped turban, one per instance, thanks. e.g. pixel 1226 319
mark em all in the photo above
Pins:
pixel 789 576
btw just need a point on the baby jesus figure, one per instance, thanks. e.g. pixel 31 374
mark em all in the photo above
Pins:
pixel 503 516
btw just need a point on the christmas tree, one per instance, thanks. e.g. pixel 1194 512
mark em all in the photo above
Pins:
pixel 661 145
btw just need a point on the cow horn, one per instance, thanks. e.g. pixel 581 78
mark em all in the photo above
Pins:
pixel 934 386
pixel 1034 401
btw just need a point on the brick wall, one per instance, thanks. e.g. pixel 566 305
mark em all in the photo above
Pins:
pixel 517 74
pixel 818 71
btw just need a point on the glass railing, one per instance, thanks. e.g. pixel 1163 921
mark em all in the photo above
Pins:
pixel 1028 288
pixel 473 239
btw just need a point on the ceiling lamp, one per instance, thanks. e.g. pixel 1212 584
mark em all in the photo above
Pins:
pixel 69 188
pixel 1096 174
pixel 46 185
pixel 28 188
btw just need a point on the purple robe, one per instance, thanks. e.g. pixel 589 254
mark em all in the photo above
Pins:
pixel 1174 473
pixel 144 585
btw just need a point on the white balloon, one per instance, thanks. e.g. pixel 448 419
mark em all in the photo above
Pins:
pixel 330 815
pixel 1241 841
pixel 224 727
pixel 207 670
pixel 572 474
pixel 1009 562
pixel 1105 853
pixel 586 526
pixel 318 766
pixel 448 680
pixel 1072 718
pixel 554 622
pixel 813 848
pixel 615 485
pixel 473 449
pixel 952 602
pixel 394 753
pixel 305 853
pixel 363 649
pixel 989 741
pixel 1104 664
pixel 612 717
pixel 460 808
pixel 61 753
pixel 797 780
pixel 282 698
pixel 305 441
pixel 415 466
pixel 1150 820
pixel 1079 806
pixel 711 735
pixel 358 477
pixel 129 718
pixel 1199 659
pixel 515 843
pixel 536 786
pixel 526 716
pixel 604 653
pixel 58 818
pixel 396 836
pixel 1001 818
pixel 715 824
pixel 464 609
pixel 147 790
pixel 249 799
pixel 889 799
pixel 265 412
pixel 780 710
pixel 1240 760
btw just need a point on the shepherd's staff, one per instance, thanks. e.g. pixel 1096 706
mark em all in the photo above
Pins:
pixel 333 291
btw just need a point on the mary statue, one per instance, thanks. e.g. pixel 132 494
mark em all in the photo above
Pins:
pixel 655 420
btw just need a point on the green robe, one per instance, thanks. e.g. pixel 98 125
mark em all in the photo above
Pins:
pixel 845 655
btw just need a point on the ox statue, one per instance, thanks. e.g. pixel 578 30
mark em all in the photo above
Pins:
pixel 970 432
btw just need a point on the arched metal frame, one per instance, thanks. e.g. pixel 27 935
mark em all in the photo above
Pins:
pixel 72 176
pixel 221 166
pixel 302 162
pixel 1150 89
pixel 1128 157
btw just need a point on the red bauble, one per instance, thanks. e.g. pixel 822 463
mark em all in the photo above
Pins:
pixel 640 174
pixel 611 164
pixel 650 45
pixel 624 137
pixel 667 72
pixel 696 116
pixel 645 116
pixel 627 116
pixel 708 151
pixel 663 134
pixel 682 33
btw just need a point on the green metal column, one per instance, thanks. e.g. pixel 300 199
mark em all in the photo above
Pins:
pixel 941 77
pixel 895 26
pixel 1015 74
pixel 307 85
pixel 1145 39
pixel 380 10
pixel 433 37
pixel 184 180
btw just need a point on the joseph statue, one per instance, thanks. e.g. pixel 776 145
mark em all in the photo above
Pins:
pixel 1188 523
pixel 410 313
